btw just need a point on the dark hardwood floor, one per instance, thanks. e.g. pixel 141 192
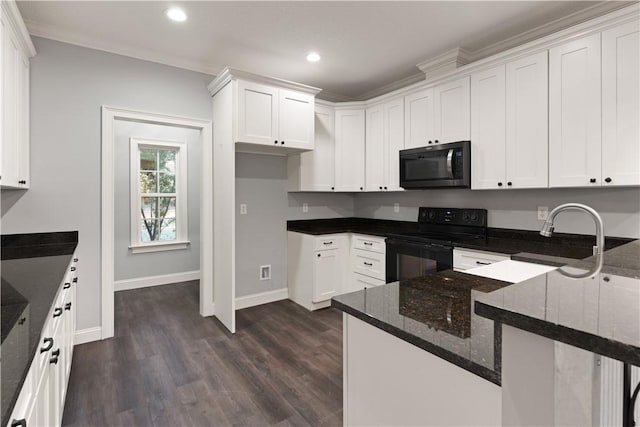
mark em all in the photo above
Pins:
pixel 168 366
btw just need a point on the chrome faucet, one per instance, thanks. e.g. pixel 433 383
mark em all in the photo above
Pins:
pixel 598 249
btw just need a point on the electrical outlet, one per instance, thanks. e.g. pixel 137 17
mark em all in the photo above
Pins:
pixel 543 212
pixel 396 207
pixel 243 208
pixel 265 272
pixel 305 207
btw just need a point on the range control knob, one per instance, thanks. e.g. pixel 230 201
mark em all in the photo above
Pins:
pixel 474 217
pixel 432 215
pixel 466 217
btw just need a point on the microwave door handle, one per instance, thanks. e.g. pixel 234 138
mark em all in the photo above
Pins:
pixel 450 163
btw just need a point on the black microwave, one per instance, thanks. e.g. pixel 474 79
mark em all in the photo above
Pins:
pixel 436 166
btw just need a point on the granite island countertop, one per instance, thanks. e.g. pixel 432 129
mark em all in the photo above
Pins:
pixel 434 313
pixel 600 314
pixel 32 268
pixel 559 249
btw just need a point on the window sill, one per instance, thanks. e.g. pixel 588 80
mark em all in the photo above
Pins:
pixel 159 247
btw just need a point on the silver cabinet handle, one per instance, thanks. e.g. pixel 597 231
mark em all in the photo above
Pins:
pixel 450 163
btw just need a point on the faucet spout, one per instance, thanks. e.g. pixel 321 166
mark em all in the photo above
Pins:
pixel 598 249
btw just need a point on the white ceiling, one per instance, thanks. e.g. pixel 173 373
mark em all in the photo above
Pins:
pixel 364 45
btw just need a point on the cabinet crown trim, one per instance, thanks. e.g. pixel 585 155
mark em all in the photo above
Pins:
pixel 229 74
pixel 12 13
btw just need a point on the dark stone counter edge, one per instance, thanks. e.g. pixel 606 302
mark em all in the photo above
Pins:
pixel 34 245
pixel 594 343
pixel 464 363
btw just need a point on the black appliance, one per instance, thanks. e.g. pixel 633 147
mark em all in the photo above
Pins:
pixel 436 166
pixel 430 249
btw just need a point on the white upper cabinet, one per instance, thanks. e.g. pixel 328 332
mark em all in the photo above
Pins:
pixel 452 110
pixel 350 149
pixel 527 122
pixel 488 129
pixel 296 119
pixel 15 50
pixel 384 140
pixel 315 170
pixel 575 110
pixel 375 149
pixel 394 142
pixel 257 113
pixel 509 125
pixel 620 109
pixel 438 115
pixel 419 126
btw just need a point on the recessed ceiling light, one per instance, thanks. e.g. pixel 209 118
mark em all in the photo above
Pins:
pixel 313 57
pixel 176 14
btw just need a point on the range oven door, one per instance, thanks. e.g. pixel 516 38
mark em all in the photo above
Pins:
pixel 406 259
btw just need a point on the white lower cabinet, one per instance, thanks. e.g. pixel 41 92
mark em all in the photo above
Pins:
pixel 41 399
pixel 465 259
pixel 321 267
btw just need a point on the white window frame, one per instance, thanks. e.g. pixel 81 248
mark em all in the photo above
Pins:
pixel 182 226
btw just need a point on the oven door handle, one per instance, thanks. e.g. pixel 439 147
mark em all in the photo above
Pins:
pixel 450 163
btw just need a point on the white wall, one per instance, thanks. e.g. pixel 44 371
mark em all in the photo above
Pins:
pixel 261 237
pixel 133 266
pixel 68 86
pixel 619 207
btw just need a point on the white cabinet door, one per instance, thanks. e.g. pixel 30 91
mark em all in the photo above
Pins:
pixel 488 129
pixel 527 121
pixel 620 105
pixel 419 119
pixel 350 140
pixel 257 121
pixel 328 270
pixel 314 170
pixel 452 111
pixel 296 119
pixel 10 55
pixel 575 113
pixel 394 142
pixel 375 149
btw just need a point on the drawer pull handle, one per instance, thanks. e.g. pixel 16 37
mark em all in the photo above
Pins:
pixel 75 280
pixel 48 341
pixel 73 269
pixel 57 312
pixel 483 263
pixel 368 264
pixel 368 243
pixel 66 285
pixel 327 243
pixel 67 306
pixel 19 423
pixel 55 355
pixel 75 260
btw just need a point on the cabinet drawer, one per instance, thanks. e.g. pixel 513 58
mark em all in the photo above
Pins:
pixel 326 242
pixel 368 243
pixel 360 282
pixel 368 263
pixel 464 259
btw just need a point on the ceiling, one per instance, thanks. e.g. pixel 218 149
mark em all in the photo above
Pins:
pixel 365 46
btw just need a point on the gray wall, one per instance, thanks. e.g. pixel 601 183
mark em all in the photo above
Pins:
pixel 261 238
pixel 127 264
pixel 619 207
pixel 68 86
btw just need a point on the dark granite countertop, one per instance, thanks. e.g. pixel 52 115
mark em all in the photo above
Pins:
pixel 32 267
pixel 506 241
pixel 435 313
pixel 601 314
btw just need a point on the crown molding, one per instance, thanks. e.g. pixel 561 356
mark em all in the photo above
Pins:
pixel 14 18
pixel 599 9
pixel 335 97
pixel 230 73
pixel 56 33
pixel 445 62
pixel 373 95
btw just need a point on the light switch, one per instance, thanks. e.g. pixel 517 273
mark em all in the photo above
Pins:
pixel 305 207
pixel 243 208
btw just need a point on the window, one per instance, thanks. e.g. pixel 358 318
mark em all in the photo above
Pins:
pixel 158 195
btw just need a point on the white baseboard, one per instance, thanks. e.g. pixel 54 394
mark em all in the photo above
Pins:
pixel 165 279
pixel 87 335
pixel 261 298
